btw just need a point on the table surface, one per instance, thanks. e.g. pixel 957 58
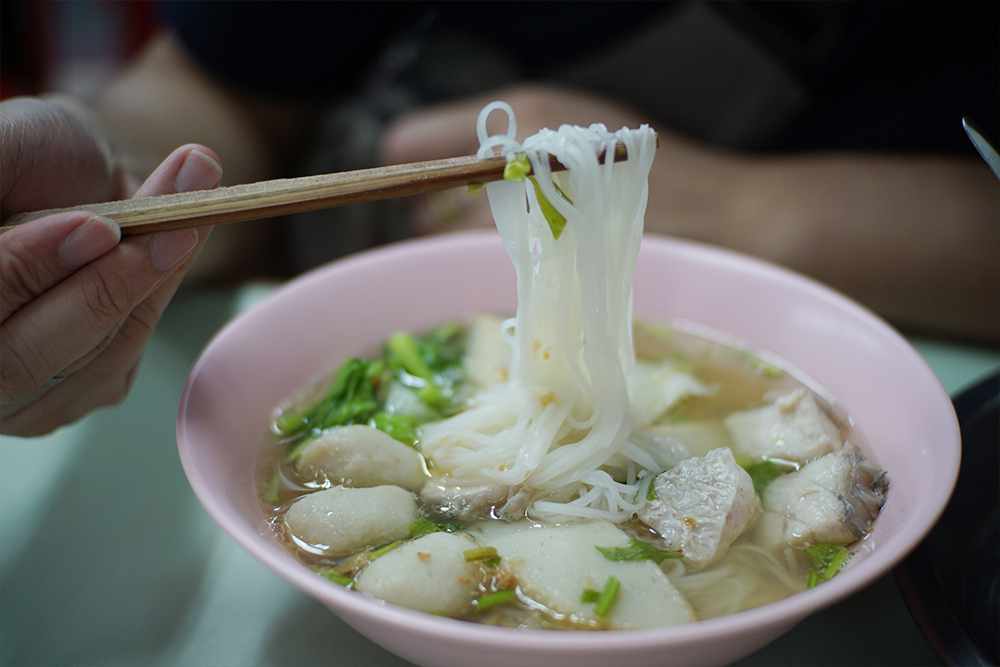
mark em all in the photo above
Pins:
pixel 107 558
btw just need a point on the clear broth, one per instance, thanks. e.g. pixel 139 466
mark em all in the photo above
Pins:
pixel 746 576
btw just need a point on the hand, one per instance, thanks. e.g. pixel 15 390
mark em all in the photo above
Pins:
pixel 77 303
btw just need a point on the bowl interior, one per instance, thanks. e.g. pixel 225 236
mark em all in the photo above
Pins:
pixel 342 309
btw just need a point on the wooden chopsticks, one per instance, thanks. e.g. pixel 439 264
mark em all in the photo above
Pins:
pixel 292 195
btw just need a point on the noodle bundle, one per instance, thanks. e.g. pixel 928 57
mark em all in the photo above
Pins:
pixel 561 424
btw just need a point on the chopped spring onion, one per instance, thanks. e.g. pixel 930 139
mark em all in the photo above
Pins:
pixel 424 526
pixel 493 599
pixel 520 168
pixel 836 564
pixel 761 472
pixel 638 550
pixel 828 559
pixel 340 579
pixel 517 168
pixel 481 553
pixel 350 400
pixel 556 220
pixel 606 599
pixel 400 427
pixel 386 549
pixel 270 493
pixel 651 492
pixel 404 346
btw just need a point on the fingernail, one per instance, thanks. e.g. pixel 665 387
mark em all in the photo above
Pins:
pixel 199 172
pixel 168 248
pixel 96 236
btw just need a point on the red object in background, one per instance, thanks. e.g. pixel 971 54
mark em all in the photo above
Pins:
pixel 69 46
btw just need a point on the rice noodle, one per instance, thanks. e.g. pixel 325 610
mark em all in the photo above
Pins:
pixel 561 422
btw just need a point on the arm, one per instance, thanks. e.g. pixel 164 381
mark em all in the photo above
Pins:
pixel 913 237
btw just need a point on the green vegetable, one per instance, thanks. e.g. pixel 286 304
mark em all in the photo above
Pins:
pixel 823 554
pixel 270 493
pixel 517 168
pixel 651 492
pixel 430 366
pixel 761 472
pixel 520 168
pixel 656 331
pixel 475 188
pixel 335 577
pixel 423 357
pixel 589 596
pixel 386 549
pixel 295 450
pixel 638 550
pixel 400 427
pixel 606 598
pixel 481 553
pixel 493 599
pixel 350 400
pixel 836 564
pixel 404 346
pixel 424 526
pixel 292 423
pixel 828 559
pixel 556 220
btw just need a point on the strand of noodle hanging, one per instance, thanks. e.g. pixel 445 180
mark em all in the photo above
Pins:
pixel 561 422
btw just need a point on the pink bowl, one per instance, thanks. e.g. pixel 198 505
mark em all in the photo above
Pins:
pixel 343 308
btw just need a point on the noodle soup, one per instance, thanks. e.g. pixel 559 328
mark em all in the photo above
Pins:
pixel 563 468
pixel 723 380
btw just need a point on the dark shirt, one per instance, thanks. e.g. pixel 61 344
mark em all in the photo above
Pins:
pixel 855 75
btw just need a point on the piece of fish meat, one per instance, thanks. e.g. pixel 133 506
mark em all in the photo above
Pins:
pixel 832 499
pixel 792 428
pixel 701 506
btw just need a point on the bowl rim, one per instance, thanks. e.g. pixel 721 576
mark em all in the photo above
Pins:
pixel 784 613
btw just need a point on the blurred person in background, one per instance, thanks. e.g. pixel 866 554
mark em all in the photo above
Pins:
pixel 823 136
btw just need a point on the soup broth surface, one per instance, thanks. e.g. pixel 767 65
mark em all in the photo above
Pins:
pixel 749 574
